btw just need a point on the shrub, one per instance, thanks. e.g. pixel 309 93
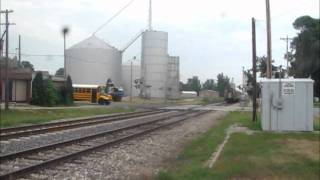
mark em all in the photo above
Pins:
pixel 69 91
pixel 38 91
pixel 51 96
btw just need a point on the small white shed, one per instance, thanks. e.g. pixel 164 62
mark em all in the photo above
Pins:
pixel 287 104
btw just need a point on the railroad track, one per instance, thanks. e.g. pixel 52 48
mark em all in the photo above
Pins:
pixel 18 164
pixel 24 131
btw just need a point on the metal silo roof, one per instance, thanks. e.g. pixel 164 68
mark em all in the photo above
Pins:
pixel 92 42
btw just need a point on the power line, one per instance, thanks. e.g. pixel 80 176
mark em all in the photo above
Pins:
pixel 114 16
pixel 7 58
pixel 56 55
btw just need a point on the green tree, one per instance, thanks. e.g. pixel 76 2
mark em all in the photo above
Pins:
pixel 43 92
pixel 249 82
pixel 27 64
pixel 305 61
pixel 193 84
pixel 60 72
pixel 66 92
pixel 38 91
pixel 222 84
pixel 262 66
pixel 209 85
pixel 69 90
pixel 51 96
pixel 182 86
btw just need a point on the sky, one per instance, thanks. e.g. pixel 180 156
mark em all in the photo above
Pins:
pixel 210 36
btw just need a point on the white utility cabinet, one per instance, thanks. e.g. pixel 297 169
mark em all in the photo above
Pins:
pixel 287 104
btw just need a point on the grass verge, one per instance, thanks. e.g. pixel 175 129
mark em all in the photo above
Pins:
pixel 263 155
pixel 35 116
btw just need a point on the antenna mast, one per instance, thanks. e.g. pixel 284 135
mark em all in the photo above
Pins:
pixel 150 15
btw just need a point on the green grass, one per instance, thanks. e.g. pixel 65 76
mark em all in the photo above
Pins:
pixel 316 124
pixel 35 116
pixel 212 100
pixel 316 104
pixel 258 156
pixel 268 155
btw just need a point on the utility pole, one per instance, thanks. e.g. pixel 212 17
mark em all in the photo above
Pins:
pixel 287 39
pixel 1 47
pixel 243 79
pixel 269 53
pixel 19 49
pixel 131 81
pixel 254 69
pixel 1 41
pixel 150 16
pixel 6 60
pixel 64 56
pixel 131 77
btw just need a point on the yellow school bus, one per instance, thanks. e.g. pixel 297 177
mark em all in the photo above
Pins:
pixel 91 93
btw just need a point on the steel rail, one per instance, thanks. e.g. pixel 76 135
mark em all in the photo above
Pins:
pixel 70 156
pixel 26 127
pixel 77 140
pixel 46 128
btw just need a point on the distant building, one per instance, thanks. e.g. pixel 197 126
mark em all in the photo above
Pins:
pixel 58 81
pixel 188 94
pixel 208 94
pixel 19 81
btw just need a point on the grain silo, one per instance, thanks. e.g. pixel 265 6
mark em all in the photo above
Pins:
pixel 154 60
pixel 93 61
pixel 173 91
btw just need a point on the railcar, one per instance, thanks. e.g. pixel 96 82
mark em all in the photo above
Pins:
pixel 231 95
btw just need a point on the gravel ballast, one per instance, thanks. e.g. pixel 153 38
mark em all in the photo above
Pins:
pixel 140 158
pixel 15 145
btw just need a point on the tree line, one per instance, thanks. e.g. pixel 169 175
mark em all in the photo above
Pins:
pixel 194 84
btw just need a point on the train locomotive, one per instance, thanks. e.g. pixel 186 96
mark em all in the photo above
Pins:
pixel 231 95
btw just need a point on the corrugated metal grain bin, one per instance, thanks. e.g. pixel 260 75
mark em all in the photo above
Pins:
pixel 93 61
pixel 154 62
pixel 287 104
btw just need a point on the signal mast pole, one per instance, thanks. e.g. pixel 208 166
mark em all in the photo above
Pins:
pixel 287 39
